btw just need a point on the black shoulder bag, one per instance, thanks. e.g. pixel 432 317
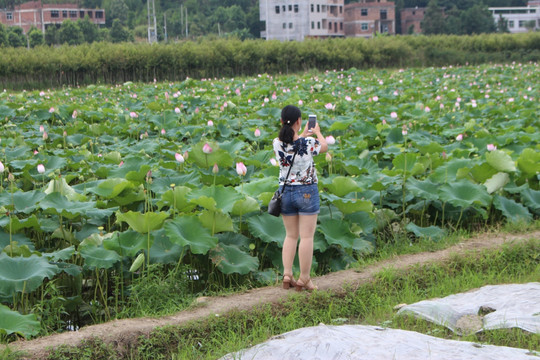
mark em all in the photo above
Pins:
pixel 274 206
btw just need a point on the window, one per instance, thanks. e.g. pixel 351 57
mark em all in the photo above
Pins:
pixel 284 8
pixel 64 13
pixel 363 12
pixel 312 7
pixel 89 12
pixel 511 23
pixel 364 26
pixel 318 24
pixel 318 8
pixel 277 9
pixel 284 25
pixel 313 24
pixel 290 7
pixel 330 26
pixel 99 14
pixel 521 23
pixel 335 27
pixel 323 8
pixel 414 12
pixel 295 8
pixel 341 26
pixel 9 16
pixel 384 14
pixel 81 14
pixel 55 14
pixel 341 9
pixel 73 13
pixel 290 25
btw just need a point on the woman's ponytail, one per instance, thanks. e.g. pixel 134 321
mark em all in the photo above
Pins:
pixel 289 115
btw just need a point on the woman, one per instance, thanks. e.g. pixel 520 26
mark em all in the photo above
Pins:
pixel 300 199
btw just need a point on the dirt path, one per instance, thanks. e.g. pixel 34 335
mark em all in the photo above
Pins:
pixel 124 333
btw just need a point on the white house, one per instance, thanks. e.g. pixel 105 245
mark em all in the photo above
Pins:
pixel 518 17
pixel 287 20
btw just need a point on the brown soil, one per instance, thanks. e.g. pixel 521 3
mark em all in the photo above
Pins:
pixel 124 333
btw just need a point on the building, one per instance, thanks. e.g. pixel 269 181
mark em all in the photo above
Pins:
pixel 287 20
pixel 368 17
pixel 411 20
pixel 518 17
pixel 39 15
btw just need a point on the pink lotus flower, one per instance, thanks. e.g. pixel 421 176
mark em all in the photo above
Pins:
pixel 133 114
pixel 375 98
pixel 241 169
pixel 45 135
pixel 491 147
pixel 40 168
pixel 177 110
pixel 41 128
pixel 404 132
pixel 207 149
pixel 393 115
pixel 215 169
pixel 427 109
pixel 329 106
pixel 179 158
pixel 74 115
pixel 330 140
pixel 257 133
pixel 210 123
pixel 300 102
pixel 64 134
pixel 36 152
pixel 162 131
pixel 444 156
pixel 197 110
pixel 51 110
pixel 121 163
pixel 384 121
pixel 2 168
pixel 459 137
pixel 273 162
pixel 274 96
pixel 41 93
pixel 348 98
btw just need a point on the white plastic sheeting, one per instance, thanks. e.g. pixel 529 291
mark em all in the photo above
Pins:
pixel 360 342
pixel 515 305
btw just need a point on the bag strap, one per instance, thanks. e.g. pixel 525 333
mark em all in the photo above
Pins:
pixel 288 173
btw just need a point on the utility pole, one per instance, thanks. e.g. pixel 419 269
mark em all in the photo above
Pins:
pixel 152 29
pixel 187 34
pixel 165 26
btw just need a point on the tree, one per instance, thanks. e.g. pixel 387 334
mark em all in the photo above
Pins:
pixel 119 33
pixel 477 20
pixel 16 37
pixel 530 25
pixel 51 35
pixel 433 22
pixel 90 30
pixel 502 25
pixel 69 33
pixel 3 36
pixel 35 37
pixel 118 10
pixel 452 23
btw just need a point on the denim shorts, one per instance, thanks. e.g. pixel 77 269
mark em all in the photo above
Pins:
pixel 300 200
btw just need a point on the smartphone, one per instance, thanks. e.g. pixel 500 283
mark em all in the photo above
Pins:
pixel 312 121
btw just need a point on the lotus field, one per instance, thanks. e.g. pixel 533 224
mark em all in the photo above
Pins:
pixel 98 183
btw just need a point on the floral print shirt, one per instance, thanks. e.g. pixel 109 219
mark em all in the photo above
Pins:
pixel 303 171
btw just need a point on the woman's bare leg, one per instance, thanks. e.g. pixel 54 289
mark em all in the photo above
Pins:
pixel 289 245
pixel 307 225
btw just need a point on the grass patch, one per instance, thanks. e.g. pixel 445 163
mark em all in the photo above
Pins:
pixel 370 304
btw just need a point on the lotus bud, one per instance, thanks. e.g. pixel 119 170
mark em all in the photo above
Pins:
pixel 207 149
pixel 328 157
pixel 133 114
pixel 40 168
pixel 330 140
pixel 459 137
pixel 257 133
pixel 177 110
pixel 11 178
pixel 41 128
pixel 215 169
pixel 393 115
pixel 149 176
pixel 491 147
pixel 137 263
pixel 64 134
pixel 186 155
pixel 2 168
pixel 74 115
pixel 179 158
pixel 162 131
pixel 210 123
pixel 444 156
pixel 273 162
pixel 241 169
pixel 51 110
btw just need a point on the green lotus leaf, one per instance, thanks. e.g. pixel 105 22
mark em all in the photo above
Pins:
pixel 481 173
pixel 216 221
pixel 126 243
pixel 349 206
pixel 434 233
pixel 177 198
pixel 68 268
pixel 464 194
pixel 61 186
pixel 431 148
pixel 163 251
pixel 425 189
pixel 142 223
pixel 256 187
pixel 342 186
pixel 60 255
pixel 384 217
pixel 214 198
pixel 23 273
pixel 405 162
pixel 268 228
pixel 512 211
pixel 529 162
pixel 12 322
pixel 233 238
pixel 337 232
pixel 531 198
pixel 134 168
pixel 98 257
pixel 229 259
pixel 500 161
pixel 362 222
pixel 496 182
pixel 24 201
pixel 447 172
pixel 206 161
pixel 17 224
pixel 14 250
pixel 110 188
pixel 245 206
pixel 57 203
pixel 359 166
pixel 188 231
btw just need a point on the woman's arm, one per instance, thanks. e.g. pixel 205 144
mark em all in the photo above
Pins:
pixel 317 131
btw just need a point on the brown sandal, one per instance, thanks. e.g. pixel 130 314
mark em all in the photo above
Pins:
pixel 288 281
pixel 308 285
